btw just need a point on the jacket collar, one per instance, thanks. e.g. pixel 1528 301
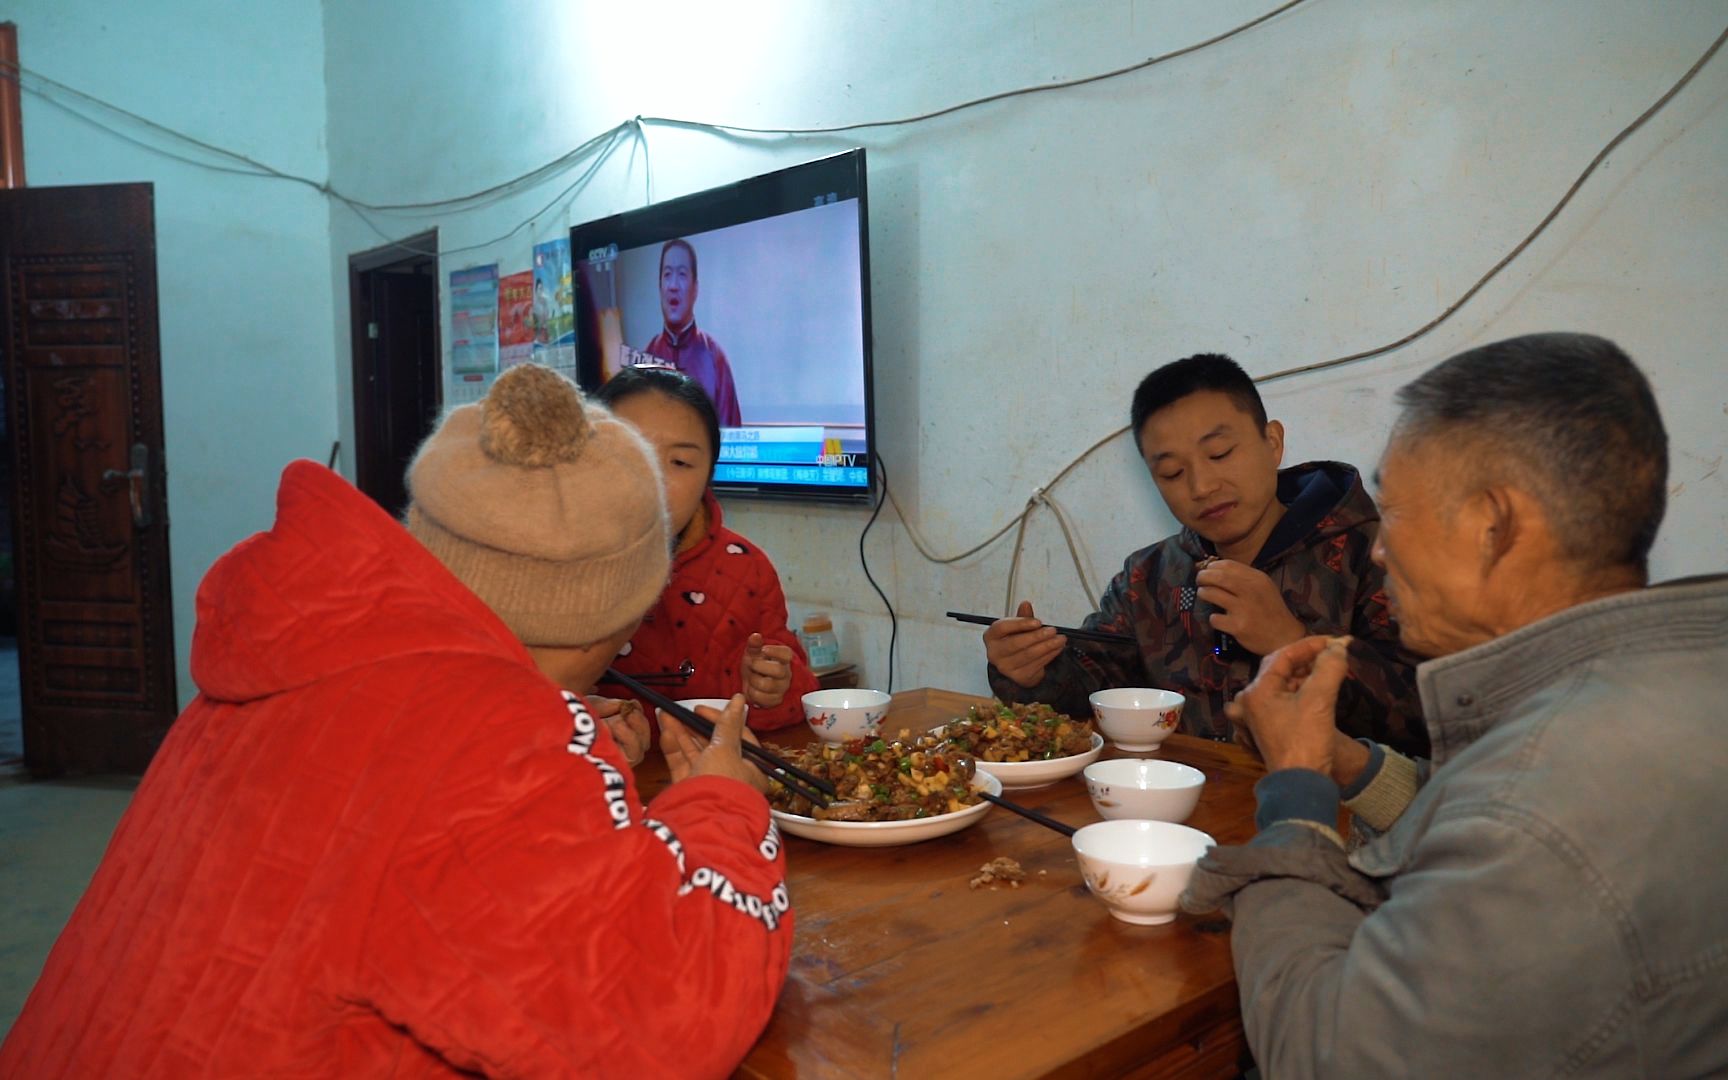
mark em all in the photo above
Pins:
pixel 1465 694
pixel 716 523
pixel 1321 498
pixel 680 338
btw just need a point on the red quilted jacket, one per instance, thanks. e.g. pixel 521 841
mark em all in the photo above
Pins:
pixel 380 843
pixel 722 590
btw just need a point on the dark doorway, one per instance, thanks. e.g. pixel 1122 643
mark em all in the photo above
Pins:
pixel 88 488
pixel 393 293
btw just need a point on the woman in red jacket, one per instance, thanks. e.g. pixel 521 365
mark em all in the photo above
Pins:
pixel 720 626
pixel 387 840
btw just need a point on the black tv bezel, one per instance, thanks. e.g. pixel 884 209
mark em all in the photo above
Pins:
pixel 769 195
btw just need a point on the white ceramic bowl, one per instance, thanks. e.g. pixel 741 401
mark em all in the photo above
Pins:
pixel 718 704
pixel 1143 790
pixel 889 833
pixel 839 715
pixel 1137 717
pixel 1139 868
pixel 1022 775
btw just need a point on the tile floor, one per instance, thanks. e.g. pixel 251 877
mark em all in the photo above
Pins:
pixel 52 835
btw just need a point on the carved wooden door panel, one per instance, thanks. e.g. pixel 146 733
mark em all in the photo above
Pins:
pixel 84 401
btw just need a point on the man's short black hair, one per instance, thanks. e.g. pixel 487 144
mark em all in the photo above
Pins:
pixel 1190 375
pixel 688 250
pixel 1567 417
pixel 669 383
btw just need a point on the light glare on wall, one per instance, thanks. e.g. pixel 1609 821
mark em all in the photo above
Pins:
pixel 689 59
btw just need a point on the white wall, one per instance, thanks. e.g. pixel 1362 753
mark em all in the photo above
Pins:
pixel 242 263
pixel 1322 184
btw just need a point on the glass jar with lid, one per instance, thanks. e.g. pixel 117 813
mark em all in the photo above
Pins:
pixel 820 644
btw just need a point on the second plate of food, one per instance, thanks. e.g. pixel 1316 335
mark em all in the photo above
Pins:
pixel 1024 746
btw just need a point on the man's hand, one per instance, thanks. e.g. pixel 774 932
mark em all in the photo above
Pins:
pixel 627 723
pixel 1250 607
pixel 767 672
pixel 1022 647
pixel 688 754
pixel 1290 707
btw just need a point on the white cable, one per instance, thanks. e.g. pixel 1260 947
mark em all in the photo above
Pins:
pixel 1493 271
pixel 608 139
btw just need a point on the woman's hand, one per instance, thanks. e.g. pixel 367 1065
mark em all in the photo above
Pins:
pixel 767 672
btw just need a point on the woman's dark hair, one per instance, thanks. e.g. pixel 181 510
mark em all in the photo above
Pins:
pixel 670 383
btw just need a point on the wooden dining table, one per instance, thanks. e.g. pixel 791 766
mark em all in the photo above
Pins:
pixel 901 969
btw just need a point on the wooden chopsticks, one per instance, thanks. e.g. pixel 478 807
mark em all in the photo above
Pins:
pixel 1028 813
pixel 1066 631
pixel 819 791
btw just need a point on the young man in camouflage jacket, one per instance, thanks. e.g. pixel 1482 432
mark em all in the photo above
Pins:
pixel 1265 557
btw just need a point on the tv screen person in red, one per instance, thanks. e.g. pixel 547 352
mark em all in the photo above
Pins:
pixel 681 343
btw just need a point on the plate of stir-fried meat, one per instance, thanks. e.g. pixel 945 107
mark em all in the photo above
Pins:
pixel 891 791
pixel 1023 746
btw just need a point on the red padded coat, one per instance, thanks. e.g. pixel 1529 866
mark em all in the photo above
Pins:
pixel 723 589
pixel 380 843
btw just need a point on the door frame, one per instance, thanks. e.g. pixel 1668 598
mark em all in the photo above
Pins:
pixel 411 252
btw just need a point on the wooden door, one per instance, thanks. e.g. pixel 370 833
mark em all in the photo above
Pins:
pixel 89 496
pixel 397 391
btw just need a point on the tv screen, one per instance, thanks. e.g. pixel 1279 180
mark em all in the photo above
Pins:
pixel 759 291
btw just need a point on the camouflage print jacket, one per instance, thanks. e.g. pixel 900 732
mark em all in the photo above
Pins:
pixel 1318 555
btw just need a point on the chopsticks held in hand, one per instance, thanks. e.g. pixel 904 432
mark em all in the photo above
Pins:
pixel 1066 631
pixel 819 791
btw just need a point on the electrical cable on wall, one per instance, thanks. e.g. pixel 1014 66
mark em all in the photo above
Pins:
pixel 566 160
pixel 647 163
pixel 606 143
pixel 1040 88
pixel 864 561
pixel 602 146
pixel 264 170
pixel 1032 504
pixel 569 191
pixel 503 189
pixel 1541 226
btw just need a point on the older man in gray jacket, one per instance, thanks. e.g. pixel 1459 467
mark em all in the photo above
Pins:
pixel 1548 896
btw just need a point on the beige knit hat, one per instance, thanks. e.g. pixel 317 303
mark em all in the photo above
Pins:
pixel 550 509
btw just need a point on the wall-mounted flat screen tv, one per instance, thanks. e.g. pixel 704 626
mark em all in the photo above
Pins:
pixel 760 291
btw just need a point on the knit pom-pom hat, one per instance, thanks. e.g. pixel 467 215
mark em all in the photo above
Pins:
pixel 546 506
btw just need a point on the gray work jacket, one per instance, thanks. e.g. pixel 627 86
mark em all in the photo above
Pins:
pixel 1553 900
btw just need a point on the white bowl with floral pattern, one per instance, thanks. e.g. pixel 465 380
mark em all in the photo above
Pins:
pixel 841 715
pixel 1138 869
pixel 1137 718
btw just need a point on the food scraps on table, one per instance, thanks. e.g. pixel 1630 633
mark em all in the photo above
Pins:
pixel 1001 868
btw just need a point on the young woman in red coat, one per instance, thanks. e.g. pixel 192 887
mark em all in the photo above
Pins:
pixel 720 626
